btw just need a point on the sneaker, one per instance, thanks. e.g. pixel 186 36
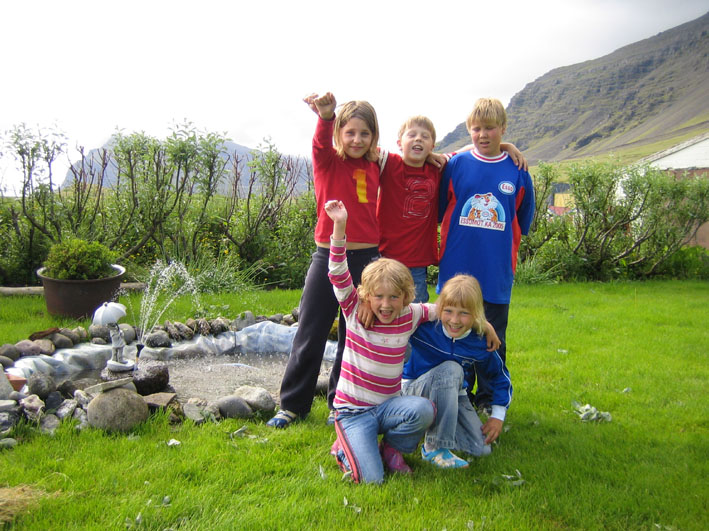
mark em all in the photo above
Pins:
pixel 343 463
pixel 443 458
pixel 331 418
pixel 282 419
pixel 393 459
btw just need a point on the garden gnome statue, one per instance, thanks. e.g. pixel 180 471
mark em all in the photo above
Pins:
pixel 117 363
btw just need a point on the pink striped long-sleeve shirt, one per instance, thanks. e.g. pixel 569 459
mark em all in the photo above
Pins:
pixel 373 358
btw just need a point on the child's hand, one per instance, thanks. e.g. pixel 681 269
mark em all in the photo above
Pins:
pixel 493 342
pixel 336 211
pixel 365 314
pixel 492 429
pixel 437 160
pixel 322 105
pixel 516 156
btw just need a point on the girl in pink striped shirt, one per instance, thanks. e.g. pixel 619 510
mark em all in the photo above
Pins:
pixel 368 401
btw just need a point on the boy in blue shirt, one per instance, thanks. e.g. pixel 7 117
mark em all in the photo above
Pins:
pixel 486 204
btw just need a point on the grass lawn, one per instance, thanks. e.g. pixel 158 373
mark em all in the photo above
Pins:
pixel 636 350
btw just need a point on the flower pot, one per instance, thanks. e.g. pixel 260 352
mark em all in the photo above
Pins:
pixel 79 298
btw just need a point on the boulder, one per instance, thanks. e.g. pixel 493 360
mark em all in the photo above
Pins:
pixel 232 406
pixel 118 410
pixel 5 386
pixel 10 351
pixel 27 348
pixel 33 407
pixel 61 341
pixel 41 384
pixel 256 397
pixel 151 377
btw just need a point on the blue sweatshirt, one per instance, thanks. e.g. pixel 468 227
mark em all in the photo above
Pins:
pixel 431 346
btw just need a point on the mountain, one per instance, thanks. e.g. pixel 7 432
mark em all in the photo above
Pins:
pixel 640 99
pixel 244 154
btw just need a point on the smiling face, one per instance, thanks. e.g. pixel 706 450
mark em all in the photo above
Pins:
pixel 456 320
pixel 355 138
pixel 416 143
pixel 386 302
pixel 487 138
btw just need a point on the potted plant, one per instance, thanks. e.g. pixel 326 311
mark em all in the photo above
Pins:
pixel 78 276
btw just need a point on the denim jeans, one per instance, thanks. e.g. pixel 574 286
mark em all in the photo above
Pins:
pixel 402 420
pixel 457 426
pixel 419 274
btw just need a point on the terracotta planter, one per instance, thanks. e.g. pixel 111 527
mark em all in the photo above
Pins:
pixel 80 298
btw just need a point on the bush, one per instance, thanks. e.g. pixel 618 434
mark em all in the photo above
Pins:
pixel 687 263
pixel 77 259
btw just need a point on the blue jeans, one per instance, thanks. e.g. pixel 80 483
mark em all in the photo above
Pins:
pixel 457 426
pixel 403 421
pixel 419 274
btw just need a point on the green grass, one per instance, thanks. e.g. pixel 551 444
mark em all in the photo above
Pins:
pixel 636 350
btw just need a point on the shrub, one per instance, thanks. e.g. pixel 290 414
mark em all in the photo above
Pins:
pixel 77 259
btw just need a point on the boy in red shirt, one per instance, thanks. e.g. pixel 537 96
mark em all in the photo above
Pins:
pixel 407 208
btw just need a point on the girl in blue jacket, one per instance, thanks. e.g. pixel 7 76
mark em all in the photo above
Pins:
pixel 440 351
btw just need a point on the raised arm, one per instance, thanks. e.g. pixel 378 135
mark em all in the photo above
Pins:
pixel 337 212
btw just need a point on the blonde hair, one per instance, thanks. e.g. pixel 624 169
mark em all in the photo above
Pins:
pixel 464 291
pixel 365 112
pixel 387 272
pixel 421 121
pixel 487 111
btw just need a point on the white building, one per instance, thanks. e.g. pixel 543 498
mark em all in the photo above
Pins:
pixel 692 158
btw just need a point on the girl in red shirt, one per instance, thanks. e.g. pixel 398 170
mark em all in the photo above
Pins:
pixel 348 171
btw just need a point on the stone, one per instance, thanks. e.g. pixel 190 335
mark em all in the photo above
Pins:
pixel 71 334
pixel 101 331
pixel 118 410
pixel 82 417
pixel 45 346
pixel 27 348
pixel 10 351
pixel 5 386
pixel 81 332
pixel 218 326
pixel 33 407
pixel 187 352
pixel 108 386
pixel 322 385
pixel 203 327
pixel 67 388
pixel 82 397
pixel 233 407
pixel 49 423
pixel 245 319
pixel 61 341
pixel 295 312
pixel 8 442
pixel 276 318
pixel 8 420
pixel 185 331
pixel 157 339
pixel 129 334
pixel 289 320
pixel 159 400
pixel 98 341
pixel 53 401
pixel 41 384
pixel 256 397
pixel 194 413
pixel 172 331
pixel 8 405
pixel 151 377
pixel 6 362
pixel 66 409
pixel 17 396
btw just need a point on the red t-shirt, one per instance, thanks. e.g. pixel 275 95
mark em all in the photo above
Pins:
pixel 408 212
pixel 355 182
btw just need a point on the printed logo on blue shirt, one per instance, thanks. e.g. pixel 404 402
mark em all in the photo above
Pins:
pixel 483 211
pixel 506 187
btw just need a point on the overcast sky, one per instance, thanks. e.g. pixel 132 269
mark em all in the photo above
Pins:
pixel 242 68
